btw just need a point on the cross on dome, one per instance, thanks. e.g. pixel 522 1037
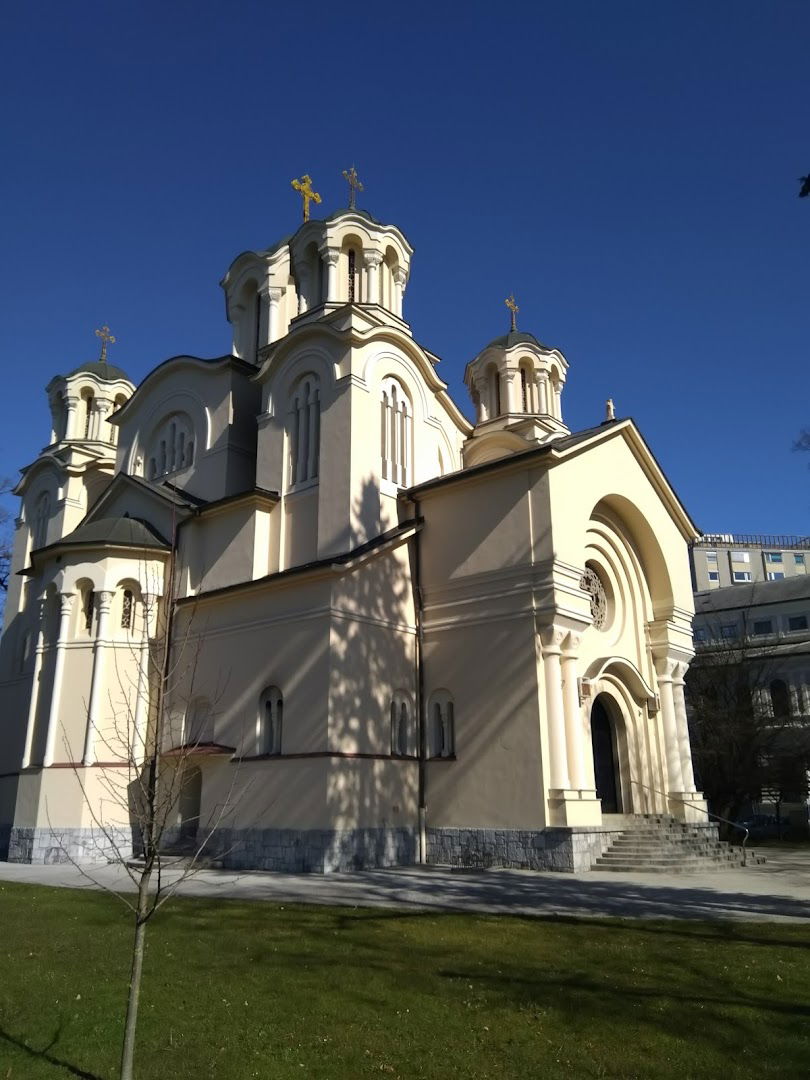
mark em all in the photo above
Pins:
pixel 510 303
pixel 106 339
pixel 354 185
pixel 304 189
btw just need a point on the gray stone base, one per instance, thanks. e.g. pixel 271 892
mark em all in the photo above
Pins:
pixel 78 845
pixel 570 849
pixel 319 851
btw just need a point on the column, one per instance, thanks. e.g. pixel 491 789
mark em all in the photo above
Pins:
pixel 513 404
pixel 314 420
pixel 541 383
pixel 573 713
pixel 274 296
pixel 34 700
pixel 65 608
pixel 139 732
pixel 400 280
pixel 236 313
pixel 371 262
pixel 664 667
pixel 303 289
pixel 552 639
pixel 97 683
pixel 102 430
pixel 558 401
pixel 482 390
pixel 682 726
pixel 72 403
pixel 331 256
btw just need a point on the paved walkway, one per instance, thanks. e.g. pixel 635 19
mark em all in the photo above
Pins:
pixel 775 892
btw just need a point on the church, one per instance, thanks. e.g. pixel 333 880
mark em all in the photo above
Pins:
pixel 390 635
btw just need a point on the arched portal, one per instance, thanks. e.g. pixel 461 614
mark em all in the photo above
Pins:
pixel 189 803
pixel 605 757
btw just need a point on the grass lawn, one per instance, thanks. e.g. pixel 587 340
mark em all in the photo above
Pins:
pixel 235 990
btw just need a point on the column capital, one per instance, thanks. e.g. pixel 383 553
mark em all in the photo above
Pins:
pixel 551 638
pixel 372 259
pixel 400 276
pixel 66 602
pixel 72 400
pixel 272 293
pixel 571 645
pixel 330 255
pixel 105 597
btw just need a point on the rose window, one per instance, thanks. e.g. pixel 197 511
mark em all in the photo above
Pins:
pixel 592 585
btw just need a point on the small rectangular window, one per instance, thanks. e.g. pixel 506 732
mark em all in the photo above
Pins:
pixel 762 626
pixel 740 556
pixel 714 575
pixel 729 630
pixel 798 559
pixel 773 556
pixel 700 633
pixel 742 575
pixel 711 556
pixel 775 575
pixel 797 622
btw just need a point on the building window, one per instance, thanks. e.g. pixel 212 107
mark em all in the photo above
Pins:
pixel 714 575
pixel 524 390
pixel 798 559
pixel 269 721
pixel 442 731
pixel 171 448
pixel 400 725
pixel 42 515
pixel 762 626
pixel 88 414
pixel 797 622
pixel 775 575
pixel 494 385
pixel 773 556
pixel 780 699
pixel 699 633
pixel 126 610
pixel 396 433
pixel 352 277
pixel 711 556
pixel 742 575
pixel 305 430
pixel 728 631
pixel 740 556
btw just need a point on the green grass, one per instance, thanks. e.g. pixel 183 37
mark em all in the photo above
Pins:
pixel 235 990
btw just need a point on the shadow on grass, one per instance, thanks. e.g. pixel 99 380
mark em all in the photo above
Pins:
pixel 46 1055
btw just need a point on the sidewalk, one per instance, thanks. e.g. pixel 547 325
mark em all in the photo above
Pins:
pixel 777 891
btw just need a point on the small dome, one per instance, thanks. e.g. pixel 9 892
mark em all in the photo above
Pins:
pixel 515 337
pixel 109 372
pixel 118 531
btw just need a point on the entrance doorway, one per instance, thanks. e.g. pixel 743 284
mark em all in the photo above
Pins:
pixel 605 763
pixel 189 803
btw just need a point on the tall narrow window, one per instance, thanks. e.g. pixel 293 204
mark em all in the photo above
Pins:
pixel 89 604
pixel 88 415
pixel 304 431
pixel 126 610
pixel 269 721
pixel 352 277
pixel 400 726
pixel 524 390
pixel 171 447
pixel 494 380
pixel 42 514
pixel 442 734
pixel 396 434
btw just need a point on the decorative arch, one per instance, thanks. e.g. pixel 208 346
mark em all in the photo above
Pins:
pixel 402 731
pixel 172 446
pixel 40 519
pixel 269 721
pixel 304 430
pixel 396 432
pixel 441 720
pixel 185 401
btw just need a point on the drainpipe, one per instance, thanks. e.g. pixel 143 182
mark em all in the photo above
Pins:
pixel 420 684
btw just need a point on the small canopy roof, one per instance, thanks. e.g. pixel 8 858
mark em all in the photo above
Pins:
pixel 117 531
pixel 515 337
pixel 101 370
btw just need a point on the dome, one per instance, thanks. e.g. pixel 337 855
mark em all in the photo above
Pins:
pixel 109 372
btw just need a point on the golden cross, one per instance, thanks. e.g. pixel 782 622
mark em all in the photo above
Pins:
pixel 354 185
pixel 106 339
pixel 510 303
pixel 304 189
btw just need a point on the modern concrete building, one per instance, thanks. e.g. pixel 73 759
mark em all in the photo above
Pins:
pixel 721 559
pixel 394 634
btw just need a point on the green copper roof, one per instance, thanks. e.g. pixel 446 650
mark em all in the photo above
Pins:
pixel 101 371
pixel 515 337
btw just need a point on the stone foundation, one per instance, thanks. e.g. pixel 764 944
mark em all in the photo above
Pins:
pixel 571 849
pixel 85 846
pixel 319 851
pixel 5 836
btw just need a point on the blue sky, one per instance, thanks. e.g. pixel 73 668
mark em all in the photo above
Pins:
pixel 628 169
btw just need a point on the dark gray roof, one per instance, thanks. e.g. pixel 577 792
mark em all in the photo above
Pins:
pixel 515 337
pixel 101 371
pixel 749 594
pixel 117 531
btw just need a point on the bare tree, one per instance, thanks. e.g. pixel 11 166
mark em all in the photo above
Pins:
pixel 745 740
pixel 142 801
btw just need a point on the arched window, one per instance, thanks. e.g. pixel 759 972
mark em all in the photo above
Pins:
pixel 127 609
pixel 269 721
pixel 304 430
pixel 401 742
pixel 42 516
pixel 780 699
pixel 352 259
pixel 88 606
pixel 524 390
pixel 396 433
pixel 172 447
pixel 88 414
pixel 494 385
pixel 442 725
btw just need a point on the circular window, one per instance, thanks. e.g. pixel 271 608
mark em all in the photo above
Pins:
pixel 591 583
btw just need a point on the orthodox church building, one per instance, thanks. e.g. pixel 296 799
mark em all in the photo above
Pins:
pixel 391 635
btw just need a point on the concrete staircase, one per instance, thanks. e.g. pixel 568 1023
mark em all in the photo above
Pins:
pixel 660 844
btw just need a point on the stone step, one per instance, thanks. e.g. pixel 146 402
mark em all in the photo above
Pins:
pixel 660 844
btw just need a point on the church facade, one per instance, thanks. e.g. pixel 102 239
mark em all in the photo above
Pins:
pixel 389 635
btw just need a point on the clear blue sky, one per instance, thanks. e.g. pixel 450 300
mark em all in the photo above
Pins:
pixel 629 169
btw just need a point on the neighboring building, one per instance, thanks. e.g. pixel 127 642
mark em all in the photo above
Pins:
pixel 721 559
pixel 397 634
pixel 765 626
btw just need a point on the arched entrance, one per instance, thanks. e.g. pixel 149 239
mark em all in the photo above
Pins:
pixel 605 758
pixel 189 803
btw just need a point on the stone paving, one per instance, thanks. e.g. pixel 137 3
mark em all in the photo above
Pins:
pixel 777 891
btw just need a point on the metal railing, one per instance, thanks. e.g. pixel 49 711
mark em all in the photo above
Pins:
pixel 714 817
pixel 743 540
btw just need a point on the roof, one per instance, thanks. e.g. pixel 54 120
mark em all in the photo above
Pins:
pixel 753 594
pixel 515 337
pixel 117 532
pixel 102 371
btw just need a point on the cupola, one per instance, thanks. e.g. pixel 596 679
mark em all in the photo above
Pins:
pixel 516 385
